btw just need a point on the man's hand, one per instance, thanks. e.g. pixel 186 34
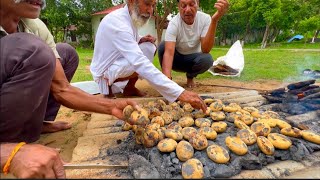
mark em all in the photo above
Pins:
pixel 194 99
pixel 148 38
pixel 222 7
pixel 37 161
pixel 120 104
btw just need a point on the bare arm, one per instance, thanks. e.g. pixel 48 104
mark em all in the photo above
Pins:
pixel 75 98
pixel 168 58
pixel 207 42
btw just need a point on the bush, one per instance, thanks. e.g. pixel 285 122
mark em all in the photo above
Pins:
pixel 284 36
pixel 74 44
pixel 88 44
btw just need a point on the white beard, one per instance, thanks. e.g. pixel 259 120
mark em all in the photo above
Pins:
pixel 138 20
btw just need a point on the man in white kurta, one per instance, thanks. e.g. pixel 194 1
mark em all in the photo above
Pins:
pixel 118 54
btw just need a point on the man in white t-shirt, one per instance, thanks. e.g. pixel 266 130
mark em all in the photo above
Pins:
pixel 189 39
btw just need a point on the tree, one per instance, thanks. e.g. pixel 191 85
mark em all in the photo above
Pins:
pixel 56 16
pixel 59 14
pixel 161 11
pixel 86 9
pixel 309 25
pixel 265 13
pixel 310 21
pixel 244 18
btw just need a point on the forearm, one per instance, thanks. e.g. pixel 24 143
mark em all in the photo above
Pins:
pixel 167 64
pixel 209 39
pixel 5 151
pixel 74 98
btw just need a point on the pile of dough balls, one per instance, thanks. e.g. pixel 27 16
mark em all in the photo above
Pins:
pixel 179 127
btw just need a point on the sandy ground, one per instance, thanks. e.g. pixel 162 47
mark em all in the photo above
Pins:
pixel 67 140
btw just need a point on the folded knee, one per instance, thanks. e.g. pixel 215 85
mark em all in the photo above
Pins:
pixel 29 48
pixel 67 52
pixel 207 60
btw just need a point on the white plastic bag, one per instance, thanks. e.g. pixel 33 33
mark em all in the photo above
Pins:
pixel 234 59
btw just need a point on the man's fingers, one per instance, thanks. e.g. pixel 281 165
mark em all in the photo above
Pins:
pixel 49 174
pixel 137 107
pixel 222 5
pixel 224 2
pixel 219 6
pixel 59 169
pixel 63 162
pixel 203 106
pixel 57 149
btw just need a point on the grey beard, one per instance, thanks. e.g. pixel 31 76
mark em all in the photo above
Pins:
pixel 138 20
pixel 20 1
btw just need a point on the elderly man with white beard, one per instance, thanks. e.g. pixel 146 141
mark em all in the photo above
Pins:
pixel 34 81
pixel 121 56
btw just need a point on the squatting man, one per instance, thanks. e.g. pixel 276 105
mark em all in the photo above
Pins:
pixel 121 56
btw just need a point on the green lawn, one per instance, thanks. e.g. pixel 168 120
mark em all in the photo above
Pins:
pixel 83 71
pixel 269 64
pixel 285 45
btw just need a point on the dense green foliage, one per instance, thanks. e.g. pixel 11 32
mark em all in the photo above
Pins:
pixel 60 14
pixel 278 20
pixel 253 21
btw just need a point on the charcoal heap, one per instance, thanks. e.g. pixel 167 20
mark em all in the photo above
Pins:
pixel 296 98
pixel 173 140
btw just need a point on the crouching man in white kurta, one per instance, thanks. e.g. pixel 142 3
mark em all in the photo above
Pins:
pixel 120 77
pixel 121 56
pixel 118 47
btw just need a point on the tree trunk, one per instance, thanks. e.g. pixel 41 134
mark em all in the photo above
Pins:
pixel 315 35
pixel 55 35
pixel 275 34
pixel 224 38
pixel 159 35
pixel 246 33
pixel 65 30
pixel 265 37
pixel 161 20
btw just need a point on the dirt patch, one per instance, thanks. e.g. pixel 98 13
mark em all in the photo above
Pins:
pixel 67 140
pixel 215 86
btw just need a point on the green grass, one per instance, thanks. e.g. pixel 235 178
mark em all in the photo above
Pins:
pixel 282 45
pixel 83 71
pixel 268 64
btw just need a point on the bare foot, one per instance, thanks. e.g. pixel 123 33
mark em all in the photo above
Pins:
pixel 49 127
pixel 190 83
pixel 110 96
pixel 133 92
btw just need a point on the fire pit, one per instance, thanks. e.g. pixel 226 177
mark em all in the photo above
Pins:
pixel 151 163
pixel 301 99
